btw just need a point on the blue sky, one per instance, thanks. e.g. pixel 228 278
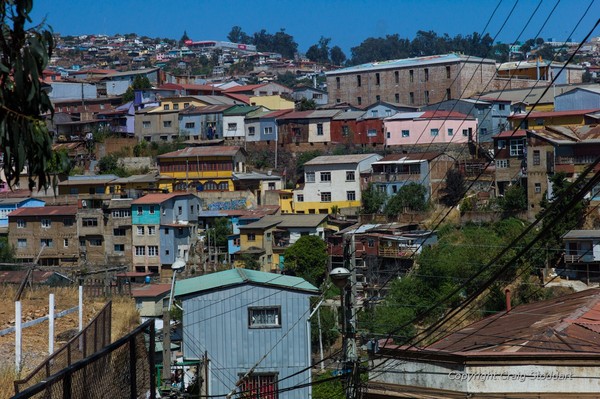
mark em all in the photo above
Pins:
pixel 346 22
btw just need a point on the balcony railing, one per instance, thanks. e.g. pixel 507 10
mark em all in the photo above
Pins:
pixel 583 257
pixel 396 252
pixel 388 177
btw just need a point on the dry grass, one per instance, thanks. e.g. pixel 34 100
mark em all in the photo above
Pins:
pixel 34 304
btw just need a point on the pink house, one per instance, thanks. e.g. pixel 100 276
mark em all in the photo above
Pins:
pixel 429 127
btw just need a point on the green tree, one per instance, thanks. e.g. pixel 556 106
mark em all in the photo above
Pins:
pixel 184 38
pixel 319 52
pixel 109 164
pixel 140 82
pixel 514 200
pixel 24 53
pixel 237 35
pixel 7 252
pixel 455 188
pixel 250 262
pixel 287 79
pixel 222 228
pixel 306 104
pixel 307 258
pixel 337 56
pixel 304 158
pixel 372 199
pixel 410 196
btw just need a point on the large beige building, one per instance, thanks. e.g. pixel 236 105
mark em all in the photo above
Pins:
pixel 412 81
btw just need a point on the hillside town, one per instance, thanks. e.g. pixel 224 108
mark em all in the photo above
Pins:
pixel 225 188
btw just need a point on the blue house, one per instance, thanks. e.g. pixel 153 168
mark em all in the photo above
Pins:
pixel 163 229
pixel 579 98
pixel 7 205
pixel 249 322
pixel 202 123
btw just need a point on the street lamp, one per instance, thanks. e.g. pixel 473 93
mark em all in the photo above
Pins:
pixel 176 267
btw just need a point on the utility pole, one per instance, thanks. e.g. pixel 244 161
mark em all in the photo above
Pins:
pixel 166 370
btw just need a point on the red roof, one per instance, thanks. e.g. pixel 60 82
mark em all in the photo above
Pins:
pixel 45 211
pixel 157 198
pixel 296 115
pixel 151 290
pixel 206 151
pixel 241 89
pixel 277 114
pixel 550 114
pixel 511 133
pixel 443 115
pixel 176 86
pixel 240 97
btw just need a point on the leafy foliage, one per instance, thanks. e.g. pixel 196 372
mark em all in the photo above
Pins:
pixel 304 158
pixel 411 196
pixel 287 79
pixel 306 105
pixel 372 199
pixel 249 261
pixel 455 188
pixel 7 253
pixel 140 82
pixel 24 53
pixel 109 164
pixel 514 200
pixel 337 55
pixel 319 52
pixel 307 258
pixel 222 228
pixel 237 35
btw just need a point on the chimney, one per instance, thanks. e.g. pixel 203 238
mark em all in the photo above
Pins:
pixel 507 293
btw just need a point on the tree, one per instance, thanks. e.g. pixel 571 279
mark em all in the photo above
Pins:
pixel 222 228
pixel 411 196
pixel 284 44
pixel 337 56
pixel 304 158
pixel 514 200
pixel 109 164
pixel 287 79
pixel 319 52
pixel 372 199
pixel 24 54
pixel 237 35
pixel 140 82
pixel 305 104
pixel 454 189
pixel 307 258
pixel 184 38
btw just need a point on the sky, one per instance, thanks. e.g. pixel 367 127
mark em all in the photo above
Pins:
pixel 346 22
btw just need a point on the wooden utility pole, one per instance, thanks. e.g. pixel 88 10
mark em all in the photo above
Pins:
pixel 166 371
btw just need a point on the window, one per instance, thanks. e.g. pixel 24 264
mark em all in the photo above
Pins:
pixel 377 79
pixel 269 130
pixel 251 237
pixel 483 131
pixel 351 195
pixel 21 224
pixel 180 210
pixel 151 230
pixel 268 237
pixel 388 112
pixel 140 230
pixel 377 98
pixel 319 129
pixel 153 250
pixel 538 188
pixel 536 157
pixel 119 248
pixel 388 135
pixel 358 80
pixel 166 107
pixel 89 222
pixel 224 186
pixel 350 175
pixel 22 243
pixel 310 177
pixel 95 242
pixel 426 74
pixel 251 130
pixel 374 113
pixel 501 107
pixel 140 250
pixel 121 213
pixel 411 75
pixel 501 144
pixel 66 242
pixel 175 107
pixel 325 197
pixel 166 123
pixel 68 222
pixel 152 209
pixel 448 72
pixel 337 82
pixel 448 94
pixel 140 211
pixel 190 125
pixel 372 132
pixel 46 223
pixel 119 232
pixel 450 132
pixel 411 97
pixel 260 386
pixel 300 197
pixel 405 133
pixel 146 124
pixel 465 132
pixel 232 126
pixel 359 100
pixel 264 317
pixel 338 100
pixel 345 131
pixel 46 242
pixel 426 94
pixel 502 163
pixel 185 105
pixel 82 243
pixel 397 77
pixel 516 148
pixel 397 98
pixel 435 132
pixel 325 176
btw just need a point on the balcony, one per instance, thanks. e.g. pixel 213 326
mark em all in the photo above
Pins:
pixel 383 177
pixel 580 257
pixel 395 251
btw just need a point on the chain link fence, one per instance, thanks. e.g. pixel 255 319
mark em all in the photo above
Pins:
pixel 95 336
pixel 123 369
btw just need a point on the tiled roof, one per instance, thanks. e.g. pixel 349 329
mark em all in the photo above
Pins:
pixel 206 151
pixel 229 278
pixel 45 211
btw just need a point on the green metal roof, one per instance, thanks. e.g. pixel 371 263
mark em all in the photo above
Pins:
pixel 240 110
pixel 241 276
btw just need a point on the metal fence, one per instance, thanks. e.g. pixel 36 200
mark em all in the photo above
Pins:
pixel 123 369
pixel 95 336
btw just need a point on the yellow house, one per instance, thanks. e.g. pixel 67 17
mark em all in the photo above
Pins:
pixel 538 120
pixel 140 184
pixel 274 103
pixel 208 168
pixel 84 186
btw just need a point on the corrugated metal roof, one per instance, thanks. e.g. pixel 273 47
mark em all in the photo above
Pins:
pixel 227 278
pixel 325 113
pixel 208 109
pixel 14 201
pixel 203 151
pixel 339 159
pixel 511 133
pixel 148 178
pixel 417 156
pixel 349 115
pixel 158 198
pixel 551 114
pixel 45 211
pixel 151 291
pixel 240 110
pixel 574 234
